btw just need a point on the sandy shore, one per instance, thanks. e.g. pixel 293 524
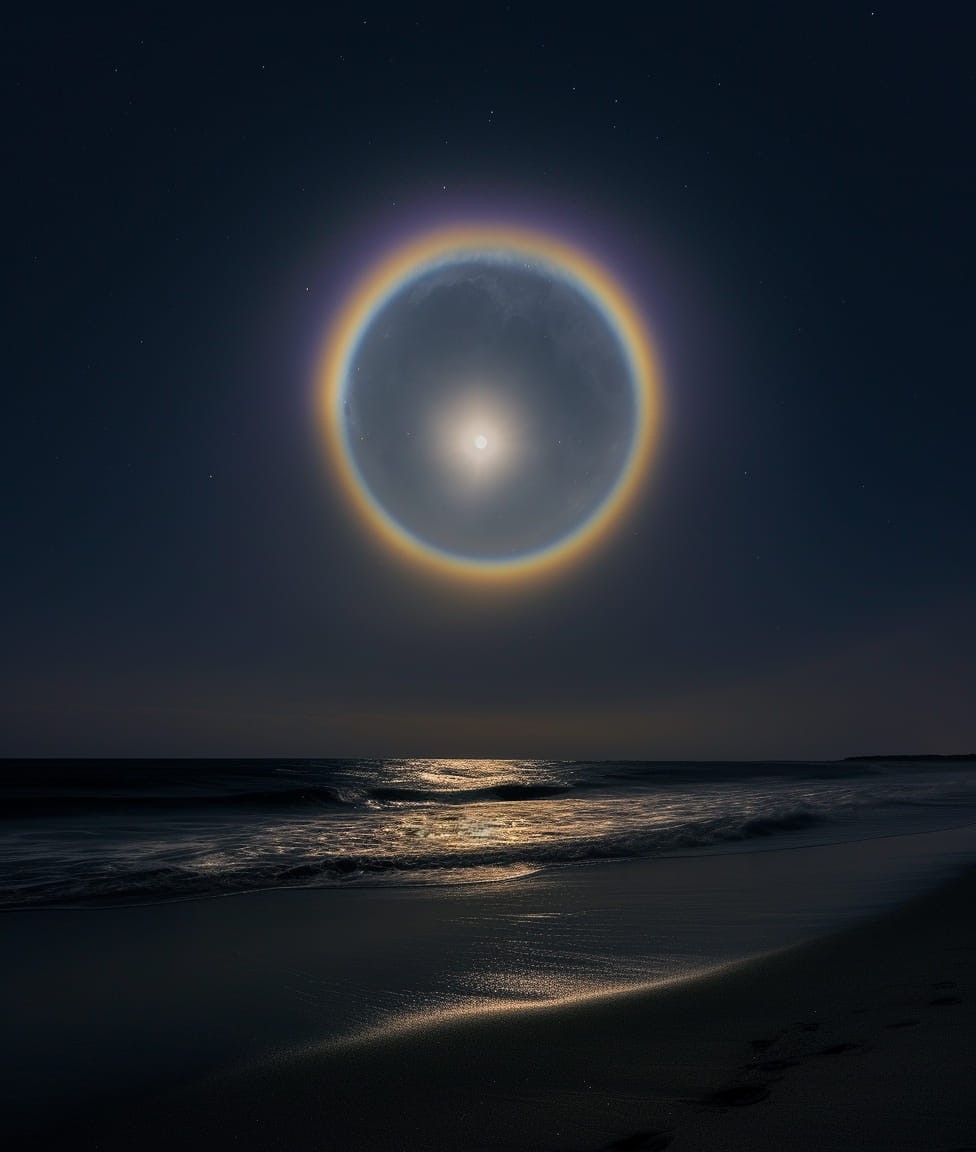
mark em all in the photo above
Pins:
pixel 862 1040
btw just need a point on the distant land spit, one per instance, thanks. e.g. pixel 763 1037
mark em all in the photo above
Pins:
pixel 921 756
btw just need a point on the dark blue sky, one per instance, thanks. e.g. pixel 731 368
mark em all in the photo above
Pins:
pixel 788 190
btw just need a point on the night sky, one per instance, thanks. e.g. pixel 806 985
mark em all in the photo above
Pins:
pixel 787 192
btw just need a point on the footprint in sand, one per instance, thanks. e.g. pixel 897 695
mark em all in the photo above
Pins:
pixel 653 1140
pixel 641 1142
pixel 764 1042
pixel 837 1049
pixel 738 1096
pixel 777 1065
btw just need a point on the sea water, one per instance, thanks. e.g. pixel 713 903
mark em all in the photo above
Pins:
pixel 91 833
pixel 368 895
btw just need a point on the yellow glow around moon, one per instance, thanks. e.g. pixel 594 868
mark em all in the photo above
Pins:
pixel 475 442
pixel 475 439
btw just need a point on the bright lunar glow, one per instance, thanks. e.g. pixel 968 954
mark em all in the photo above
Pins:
pixel 491 401
pixel 474 441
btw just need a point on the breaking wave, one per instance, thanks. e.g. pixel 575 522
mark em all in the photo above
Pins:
pixel 138 832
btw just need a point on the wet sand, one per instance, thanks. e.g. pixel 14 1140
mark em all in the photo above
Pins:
pixel 865 1039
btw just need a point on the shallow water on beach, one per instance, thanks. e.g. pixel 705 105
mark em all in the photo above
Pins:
pixel 115 998
pixel 86 833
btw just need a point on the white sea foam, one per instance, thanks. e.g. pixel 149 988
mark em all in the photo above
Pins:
pixel 147 831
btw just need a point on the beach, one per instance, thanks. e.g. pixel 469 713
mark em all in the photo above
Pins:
pixel 863 1035
pixel 489 642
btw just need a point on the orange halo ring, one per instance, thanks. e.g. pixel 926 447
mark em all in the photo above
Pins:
pixel 449 245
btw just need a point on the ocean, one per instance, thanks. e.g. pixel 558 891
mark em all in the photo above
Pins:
pixel 123 832
pixel 359 897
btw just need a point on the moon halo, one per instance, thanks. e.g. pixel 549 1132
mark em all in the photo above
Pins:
pixel 478 435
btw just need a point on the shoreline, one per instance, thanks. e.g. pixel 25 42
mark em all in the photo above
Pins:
pixel 549 868
pixel 864 1038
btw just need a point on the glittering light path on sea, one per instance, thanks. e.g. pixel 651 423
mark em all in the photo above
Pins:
pixel 496 244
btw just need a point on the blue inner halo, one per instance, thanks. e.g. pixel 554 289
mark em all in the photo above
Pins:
pixel 489 407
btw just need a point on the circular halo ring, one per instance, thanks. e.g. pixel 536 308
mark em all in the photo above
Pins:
pixel 445 246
